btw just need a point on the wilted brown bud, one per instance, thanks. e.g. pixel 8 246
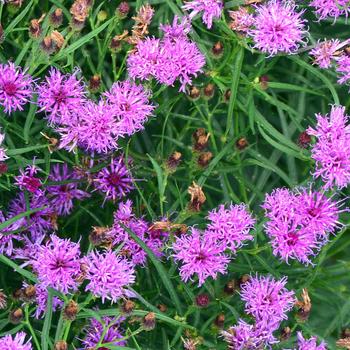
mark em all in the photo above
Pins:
pixel 204 159
pixel 117 41
pixel 95 83
pixel 123 9
pixel 220 320
pixel 128 307
pixel 230 287
pixel 200 139
pixel 3 168
pixel 304 306
pixel 173 161
pixel 227 95
pixel 236 23
pixel 242 143
pixel 162 307
pixel 100 236
pixel 197 197
pixel 209 91
pixel 83 272
pixel 286 333
pixel 202 300
pixel 80 11
pixel 29 293
pixel 48 45
pixel 218 49
pixel 15 3
pixel 70 311
pixel 61 345
pixel 304 139
pixel 149 321
pixel 56 18
pixel 194 93
pixel 35 28
pixel 3 300
pixel 245 278
pixel 17 294
pixel 142 21
pixel 16 316
pixel 264 82
pixel 344 343
pixel 57 38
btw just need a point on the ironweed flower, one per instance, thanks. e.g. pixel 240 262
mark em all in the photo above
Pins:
pixel 330 8
pixel 309 344
pixel 17 342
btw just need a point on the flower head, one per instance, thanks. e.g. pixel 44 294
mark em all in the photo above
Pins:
pixel 115 180
pixel 27 180
pixel 8 342
pixel 57 264
pixel 16 87
pixel 241 20
pixel 267 299
pixel 343 68
pixel 309 344
pixel 60 96
pixel 330 8
pixel 324 52
pixel 130 103
pixel 180 28
pixel 108 275
pixel 332 148
pixel 61 196
pixel 95 330
pixel 199 255
pixel 210 9
pixel 231 226
pixel 278 27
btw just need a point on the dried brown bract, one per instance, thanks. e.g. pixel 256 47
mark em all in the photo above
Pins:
pixel 344 343
pixel 197 197
pixel 304 306
pixel 80 12
pixel 35 27
pixel 142 21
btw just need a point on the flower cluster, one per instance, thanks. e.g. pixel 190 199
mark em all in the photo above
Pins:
pixel 332 148
pixel 299 222
pixel 309 344
pixel 330 8
pixel 173 57
pixel 17 342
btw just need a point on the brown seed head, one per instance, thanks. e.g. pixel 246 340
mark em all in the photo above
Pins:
pixel 194 93
pixel 304 306
pixel 173 161
pixel 29 293
pixel 48 45
pixel 242 143
pixel 218 49
pixel 209 91
pixel 128 307
pixel 57 38
pixel 95 83
pixel 61 345
pixel 100 236
pixel 70 311
pixel 142 21
pixel 204 159
pixel 230 287
pixel 245 278
pixel 200 139
pixel 197 197
pixel 35 27
pixel 344 343
pixel 16 316
pixel 220 320
pixel 149 321
pixel 286 333
pixel 56 18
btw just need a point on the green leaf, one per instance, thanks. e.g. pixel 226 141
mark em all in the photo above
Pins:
pixel 45 335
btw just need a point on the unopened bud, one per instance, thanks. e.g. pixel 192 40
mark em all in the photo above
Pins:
pixel 102 16
pixel 202 300
pixel 61 345
pixel 209 91
pixel 218 49
pixel 220 320
pixel 173 161
pixel 56 18
pixel 95 83
pixel 194 93
pixel 149 321
pixel 286 333
pixel 70 311
pixel 230 287
pixel 128 307
pixel 123 9
pixel 304 139
pixel 227 95
pixel 264 82
pixel 242 143
pixel 204 159
pixel 16 316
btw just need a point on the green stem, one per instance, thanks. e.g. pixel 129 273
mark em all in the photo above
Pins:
pixel 30 328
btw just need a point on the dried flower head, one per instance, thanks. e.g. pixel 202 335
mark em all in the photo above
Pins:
pixel 197 197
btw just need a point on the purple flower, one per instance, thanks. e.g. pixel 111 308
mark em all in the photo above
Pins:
pixel 278 27
pixel 130 103
pixel 267 299
pixel 210 9
pixel 230 226
pixel 3 155
pixel 94 333
pixel 180 28
pixel 114 181
pixel 16 87
pixel 61 96
pixel 343 68
pixel 330 8
pixel 242 20
pixel 27 180
pixel 324 52
pixel 108 275
pixel 332 148
pixel 6 237
pixel 18 342
pixel 199 255
pixel 309 344
pixel 36 223
pixel 57 264
pixel 244 336
pixel 61 196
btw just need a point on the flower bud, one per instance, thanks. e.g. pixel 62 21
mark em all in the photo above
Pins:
pixel 242 143
pixel 217 50
pixel 304 139
pixel 70 311
pixel 209 91
pixel 230 287
pixel 202 300
pixel 128 307
pixel 194 93
pixel 123 9
pixel 149 321
pixel 162 307
pixel 173 161
pixel 264 82
pixel 56 18
pixel 95 83
pixel 102 16
pixel 61 345
pixel 220 320
pixel 227 95
pixel 204 159
pixel 16 316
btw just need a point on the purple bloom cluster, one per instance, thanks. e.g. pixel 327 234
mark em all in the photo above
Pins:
pixel 330 8
pixel 108 275
pixel 15 343
pixel 230 226
pixel 173 57
pixel 27 180
pixel 16 87
pixel 299 222
pixel 210 9
pixel 94 333
pixel 332 148
pixel 309 344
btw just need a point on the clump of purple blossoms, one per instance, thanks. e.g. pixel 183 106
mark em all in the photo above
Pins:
pixel 175 57
pixel 95 330
pixel 200 255
pixel 27 180
pixel 244 336
pixel 309 344
pixel 267 299
pixel 210 9
pixel 61 196
pixel 108 275
pixel 332 148
pixel 17 342
pixel 299 222
pixel 58 264
pixel 330 8
pixel 3 155
pixel 61 96
pixel 118 235
pixel 324 52
pixel 16 87
pixel 278 27
pixel 230 226
pixel 131 106
pixel 343 68
pixel 114 180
